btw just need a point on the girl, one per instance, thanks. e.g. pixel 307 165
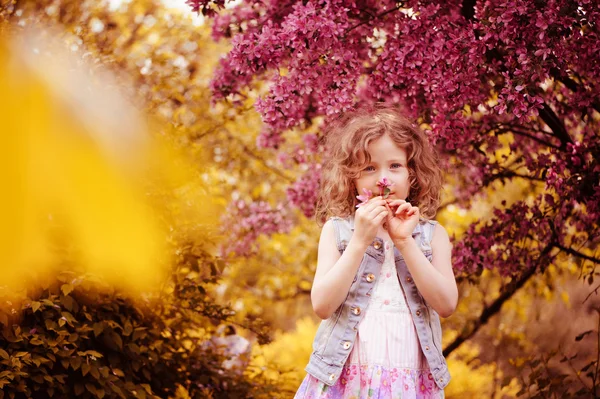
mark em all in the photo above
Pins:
pixel 384 272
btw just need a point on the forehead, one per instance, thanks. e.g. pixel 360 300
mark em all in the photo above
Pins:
pixel 384 148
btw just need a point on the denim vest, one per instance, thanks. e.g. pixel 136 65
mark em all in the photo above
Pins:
pixel 336 335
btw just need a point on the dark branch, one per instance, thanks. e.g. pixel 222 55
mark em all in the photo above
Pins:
pixel 571 85
pixel 257 157
pixel 524 134
pixel 378 16
pixel 468 9
pixel 495 307
pixel 507 174
pixel 555 124
pixel 573 252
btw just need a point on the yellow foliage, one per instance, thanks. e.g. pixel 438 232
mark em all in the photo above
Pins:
pixel 471 379
pixel 77 168
pixel 289 352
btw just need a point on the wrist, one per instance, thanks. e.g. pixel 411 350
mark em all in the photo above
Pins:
pixel 358 243
pixel 402 243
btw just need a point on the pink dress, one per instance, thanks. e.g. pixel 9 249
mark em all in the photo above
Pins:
pixel 386 361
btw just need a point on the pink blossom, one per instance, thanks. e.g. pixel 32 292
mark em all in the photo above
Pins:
pixel 368 194
pixel 513 75
pixel 384 187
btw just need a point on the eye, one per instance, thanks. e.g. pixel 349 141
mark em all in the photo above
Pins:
pixel 396 165
pixel 369 168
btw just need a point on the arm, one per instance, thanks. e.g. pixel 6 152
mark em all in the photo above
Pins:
pixel 335 272
pixel 435 279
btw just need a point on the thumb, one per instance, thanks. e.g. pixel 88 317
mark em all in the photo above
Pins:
pixel 390 214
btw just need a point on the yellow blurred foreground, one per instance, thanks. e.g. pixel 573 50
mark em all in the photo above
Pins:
pixel 77 163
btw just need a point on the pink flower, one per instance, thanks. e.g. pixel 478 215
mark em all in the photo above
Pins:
pixel 384 187
pixel 364 198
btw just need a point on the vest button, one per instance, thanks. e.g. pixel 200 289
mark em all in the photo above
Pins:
pixel 355 310
pixel 347 344
pixel 376 245
pixel 408 279
pixel 332 377
pixel 370 277
pixel 418 313
pixel 426 348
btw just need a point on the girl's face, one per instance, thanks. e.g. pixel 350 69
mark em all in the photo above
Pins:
pixel 387 160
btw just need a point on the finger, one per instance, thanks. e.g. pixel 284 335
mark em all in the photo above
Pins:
pixel 374 203
pixel 366 207
pixel 403 208
pixel 390 214
pixel 395 201
pixel 376 211
pixel 413 211
pixel 379 218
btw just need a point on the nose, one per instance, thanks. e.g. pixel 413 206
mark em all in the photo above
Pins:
pixel 385 175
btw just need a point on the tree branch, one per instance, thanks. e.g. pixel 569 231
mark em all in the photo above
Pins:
pixel 468 9
pixel 378 16
pixel 555 124
pixel 257 157
pixel 495 306
pixel 507 173
pixel 571 85
pixel 573 252
pixel 525 134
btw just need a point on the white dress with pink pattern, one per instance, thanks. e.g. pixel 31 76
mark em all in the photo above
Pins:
pixel 386 361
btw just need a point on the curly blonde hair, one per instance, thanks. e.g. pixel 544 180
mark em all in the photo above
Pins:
pixel 346 143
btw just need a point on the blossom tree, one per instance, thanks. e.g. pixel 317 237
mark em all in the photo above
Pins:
pixel 507 90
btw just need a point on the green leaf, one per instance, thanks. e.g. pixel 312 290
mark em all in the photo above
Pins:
pixel 139 332
pixel 118 372
pixel 94 353
pixel 3 354
pixel 79 389
pixel 69 317
pixel 94 372
pixel 66 289
pixel 117 390
pixel 103 371
pixel 98 329
pixel 127 328
pixel 91 388
pixel 35 305
pixel 118 340
pixel 147 388
pixel 133 348
pixel 76 362
pixel 68 303
pixel 85 368
pixel 50 325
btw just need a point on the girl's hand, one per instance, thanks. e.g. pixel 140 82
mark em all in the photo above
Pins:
pixel 401 220
pixel 368 218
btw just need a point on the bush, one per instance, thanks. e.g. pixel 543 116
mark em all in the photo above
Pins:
pixel 77 337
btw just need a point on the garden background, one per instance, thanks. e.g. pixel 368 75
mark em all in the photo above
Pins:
pixel 161 161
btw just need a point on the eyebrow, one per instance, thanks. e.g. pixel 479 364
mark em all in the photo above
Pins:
pixel 392 160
